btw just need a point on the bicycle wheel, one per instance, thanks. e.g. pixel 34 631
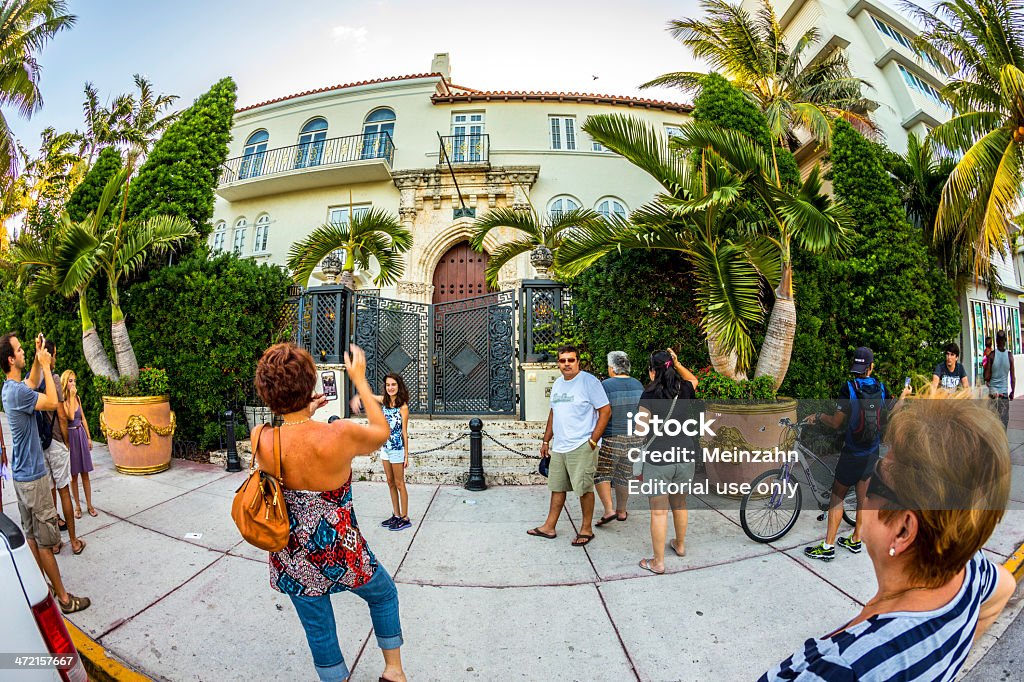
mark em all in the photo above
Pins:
pixel 850 507
pixel 768 518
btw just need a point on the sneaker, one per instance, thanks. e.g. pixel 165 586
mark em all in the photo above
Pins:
pixel 819 552
pixel 401 524
pixel 387 523
pixel 849 544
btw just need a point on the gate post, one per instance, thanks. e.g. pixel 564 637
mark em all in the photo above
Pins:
pixel 540 301
pixel 328 333
pixel 476 456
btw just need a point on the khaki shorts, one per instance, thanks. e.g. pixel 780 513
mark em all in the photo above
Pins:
pixel 573 470
pixel 58 463
pixel 38 515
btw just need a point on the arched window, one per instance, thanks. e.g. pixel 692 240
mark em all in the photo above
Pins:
pixel 311 143
pixel 609 206
pixel 378 134
pixel 259 244
pixel 252 155
pixel 220 231
pixel 562 204
pixel 238 238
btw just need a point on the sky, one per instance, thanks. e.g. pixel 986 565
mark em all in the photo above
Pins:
pixel 273 48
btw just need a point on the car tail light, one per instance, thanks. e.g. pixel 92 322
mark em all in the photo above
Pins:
pixel 58 640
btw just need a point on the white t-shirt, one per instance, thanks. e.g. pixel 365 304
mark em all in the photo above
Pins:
pixel 575 404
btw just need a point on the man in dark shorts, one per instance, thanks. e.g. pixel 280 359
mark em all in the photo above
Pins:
pixel 857 458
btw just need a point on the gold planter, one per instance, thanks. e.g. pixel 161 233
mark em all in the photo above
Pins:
pixel 139 432
pixel 746 427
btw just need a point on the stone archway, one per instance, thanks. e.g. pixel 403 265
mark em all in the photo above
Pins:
pixel 459 274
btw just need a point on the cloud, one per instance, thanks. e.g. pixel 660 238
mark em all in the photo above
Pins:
pixel 354 34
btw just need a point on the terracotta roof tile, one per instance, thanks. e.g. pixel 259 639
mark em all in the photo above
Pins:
pixel 336 87
pixel 488 95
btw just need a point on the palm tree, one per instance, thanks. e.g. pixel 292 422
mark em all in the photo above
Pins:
pixel 793 91
pixel 70 260
pixel 984 42
pixel 25 27
pixel 373 235
pixel 541 239
pixel 731 242
pixel 129 120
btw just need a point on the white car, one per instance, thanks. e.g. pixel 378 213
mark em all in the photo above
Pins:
pixel 34 642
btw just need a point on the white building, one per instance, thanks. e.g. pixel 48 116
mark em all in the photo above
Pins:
pixel 302 160
pixel 877 40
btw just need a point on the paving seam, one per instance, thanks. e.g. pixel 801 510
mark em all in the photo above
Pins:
pixel 597 575
pixel 130 618
pixel 824 579
pixel 223 552
pixel 618 635
pixel 423 517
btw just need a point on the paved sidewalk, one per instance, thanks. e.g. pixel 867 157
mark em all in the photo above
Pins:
pixel 480 599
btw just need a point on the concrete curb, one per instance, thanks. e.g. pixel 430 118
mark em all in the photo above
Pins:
pixel 98 663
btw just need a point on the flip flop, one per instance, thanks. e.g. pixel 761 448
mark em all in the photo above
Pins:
pixel 586 540
pixel 606 519
pixel 622 518
pixel 74 604
pixel 678 553
pixel 93 512
pixel 538 533
pixel 645 564
pixel 78 513
pixel 58 548
pixel 61 525
pixel 81 548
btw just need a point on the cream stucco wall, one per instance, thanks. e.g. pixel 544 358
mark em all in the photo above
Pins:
pixel 523 170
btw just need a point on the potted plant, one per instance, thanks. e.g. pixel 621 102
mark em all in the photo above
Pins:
pixel 73 254
pixel 746 415
pixel 138 421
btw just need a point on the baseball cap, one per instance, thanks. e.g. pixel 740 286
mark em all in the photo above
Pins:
pixel 862 359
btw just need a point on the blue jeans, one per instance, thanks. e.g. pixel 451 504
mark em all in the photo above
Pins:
pixel 317 617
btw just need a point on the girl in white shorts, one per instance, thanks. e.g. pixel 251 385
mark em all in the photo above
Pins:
pixel 395 453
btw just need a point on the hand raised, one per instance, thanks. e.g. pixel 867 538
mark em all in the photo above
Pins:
pixel 355 362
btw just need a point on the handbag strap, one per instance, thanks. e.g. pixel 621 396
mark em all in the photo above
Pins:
pixel 254 444
pixel 277 453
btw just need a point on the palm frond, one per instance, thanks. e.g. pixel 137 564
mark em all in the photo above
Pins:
pixel 640 144
pixel 523 221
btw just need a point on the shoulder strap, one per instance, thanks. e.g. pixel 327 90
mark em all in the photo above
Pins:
pixel 277 452
pixel 254 444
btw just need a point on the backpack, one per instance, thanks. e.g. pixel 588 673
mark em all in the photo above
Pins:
pixel 866 414
pixel 45 428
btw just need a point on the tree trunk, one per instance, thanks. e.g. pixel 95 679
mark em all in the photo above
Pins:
pixel 724 363
pixel 96 355
pixel 127 365
pixel 773 360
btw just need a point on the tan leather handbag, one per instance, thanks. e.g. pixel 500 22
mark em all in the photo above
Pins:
pixel 259 508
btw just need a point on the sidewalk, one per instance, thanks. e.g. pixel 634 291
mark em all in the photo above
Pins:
pixel 480 599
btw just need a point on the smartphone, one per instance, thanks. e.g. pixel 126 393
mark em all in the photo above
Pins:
pixel 906 382
pixel 330 386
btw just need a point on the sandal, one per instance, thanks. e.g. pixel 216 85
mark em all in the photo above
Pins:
pixel 676 549
pixel 646 565
pixel 586 540
pixel 81 548
pixel 74 604
pixel 606 519
pixel 61 525
pixel 538 533
pixel 93 512
pixel 56 549
pixel 78 513
pixel 625 515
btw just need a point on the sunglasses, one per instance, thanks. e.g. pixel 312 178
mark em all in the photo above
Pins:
pixel 566 361
pixel 878 488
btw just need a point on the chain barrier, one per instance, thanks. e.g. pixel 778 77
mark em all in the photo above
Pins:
pixel 502 445
pixel 442 446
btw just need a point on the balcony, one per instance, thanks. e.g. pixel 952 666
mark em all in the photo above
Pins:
pixel 336 161
pixel 474 149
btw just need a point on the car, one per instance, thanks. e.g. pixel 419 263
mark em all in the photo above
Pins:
pixel 34 640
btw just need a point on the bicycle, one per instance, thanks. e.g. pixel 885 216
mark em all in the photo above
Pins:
pixel 778 505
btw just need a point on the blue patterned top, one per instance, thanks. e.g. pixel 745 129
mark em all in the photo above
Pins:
pixel 394 417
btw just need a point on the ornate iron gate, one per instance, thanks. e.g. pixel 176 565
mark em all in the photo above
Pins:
pixel 472 355
pixel 396 337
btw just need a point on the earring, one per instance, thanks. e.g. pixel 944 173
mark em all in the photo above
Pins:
pixel 892 551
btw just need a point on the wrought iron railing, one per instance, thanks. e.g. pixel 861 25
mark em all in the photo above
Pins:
pixel 332 152
pixel 473 148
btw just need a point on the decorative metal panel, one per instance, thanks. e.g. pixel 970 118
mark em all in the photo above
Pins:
pixel 394 335
pixel 472 353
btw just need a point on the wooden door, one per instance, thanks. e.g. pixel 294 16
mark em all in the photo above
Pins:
pixel 460 274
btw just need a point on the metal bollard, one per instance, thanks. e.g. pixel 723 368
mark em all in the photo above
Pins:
pixel 476 456
pixel 234 464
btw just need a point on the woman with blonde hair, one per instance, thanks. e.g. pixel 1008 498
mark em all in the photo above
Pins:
pixel 75 430
pixel 931 505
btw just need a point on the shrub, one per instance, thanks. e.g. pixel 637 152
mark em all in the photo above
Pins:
pixel 208 322
pixel 638 302
pixel 713 386
pixel 151 381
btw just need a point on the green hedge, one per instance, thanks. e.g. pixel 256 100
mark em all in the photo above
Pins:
pixel 206 322
pixel 638 302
